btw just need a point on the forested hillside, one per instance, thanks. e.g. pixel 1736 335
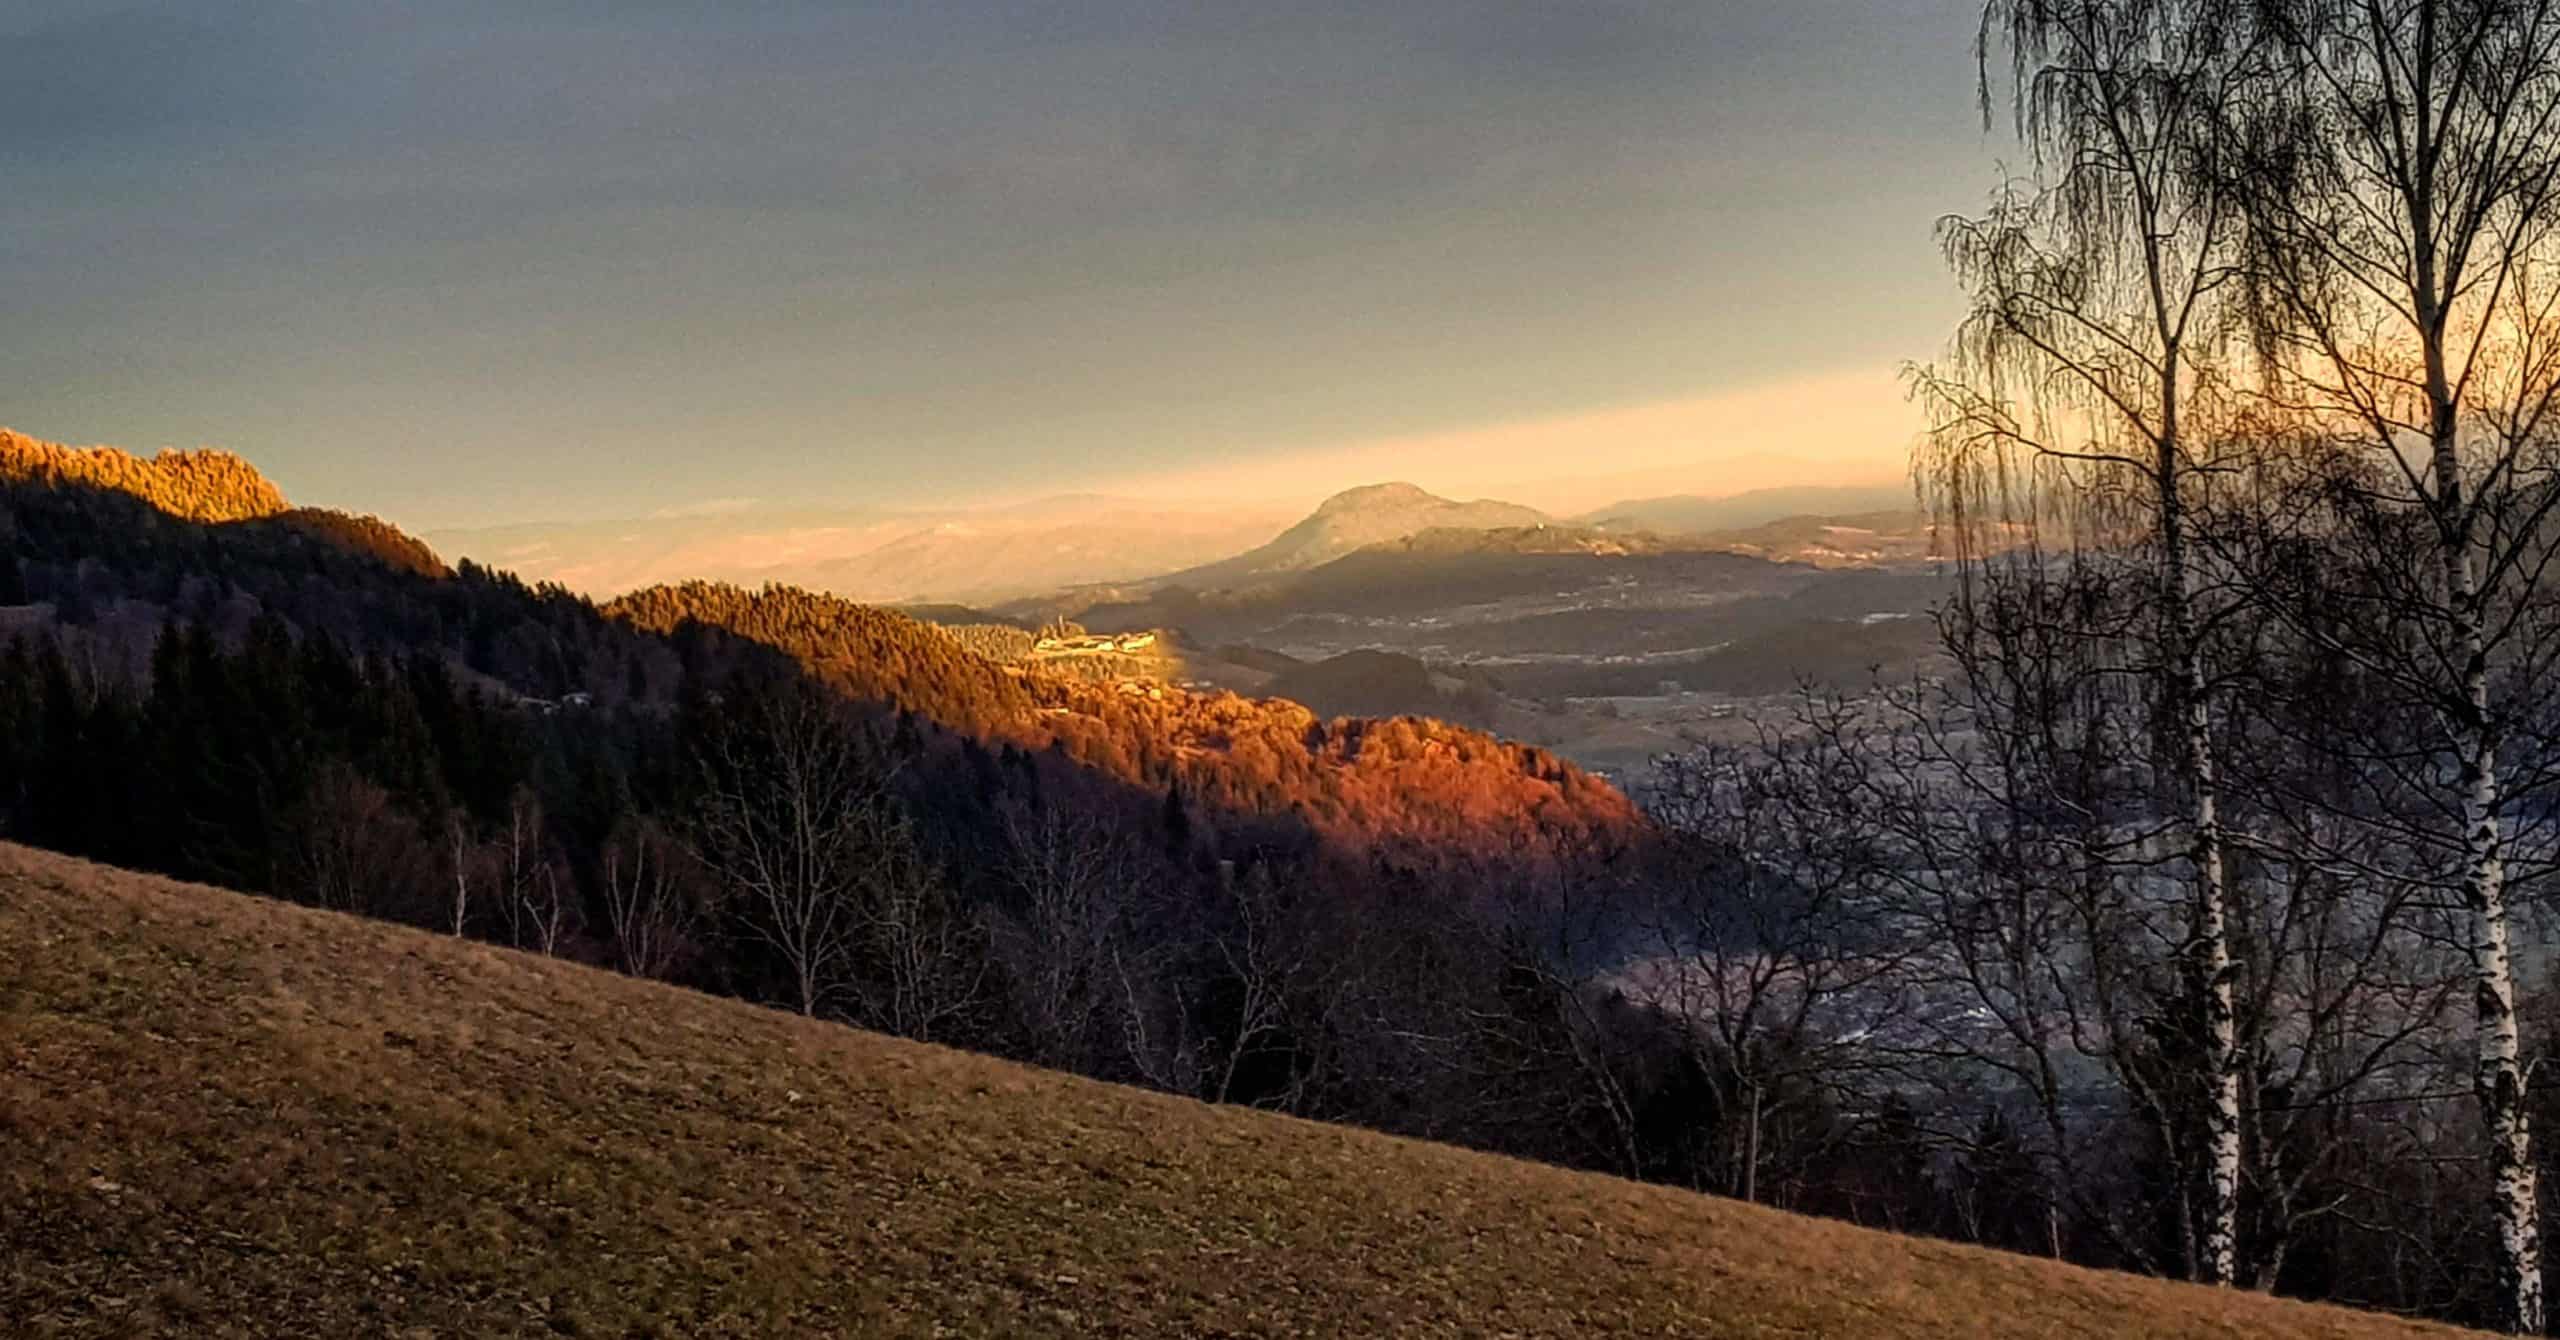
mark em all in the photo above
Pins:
pixel 1408 785
pixel 193 485
pixel 1411 784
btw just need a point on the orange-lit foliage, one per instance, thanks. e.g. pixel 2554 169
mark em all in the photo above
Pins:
pixel 208 486
pixel 1408 779
pixel 196 485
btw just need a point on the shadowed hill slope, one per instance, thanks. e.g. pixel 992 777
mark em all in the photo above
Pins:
pixel 1364 683
pixel 228 1117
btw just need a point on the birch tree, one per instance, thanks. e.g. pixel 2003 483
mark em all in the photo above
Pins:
pixel 650 911
pixel 2080 390
pixel 2014 812
pixel 2399 190
pixel 533 888
pixel 466 868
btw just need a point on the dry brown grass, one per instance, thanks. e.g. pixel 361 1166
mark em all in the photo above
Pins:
pixel 223 1116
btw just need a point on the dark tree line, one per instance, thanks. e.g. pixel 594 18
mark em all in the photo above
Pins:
pixel 765 837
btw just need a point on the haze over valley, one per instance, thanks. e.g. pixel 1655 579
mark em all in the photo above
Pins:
pixel 881 555
pixel 1615 636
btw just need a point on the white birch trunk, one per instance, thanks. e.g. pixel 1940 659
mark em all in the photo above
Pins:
pixel 2210 935
pixel 460 843
pixel 2498 1072
pixel 2216 969
pixel 2515 1202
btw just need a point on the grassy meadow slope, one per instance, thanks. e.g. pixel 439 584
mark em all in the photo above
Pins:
pixel 224 1116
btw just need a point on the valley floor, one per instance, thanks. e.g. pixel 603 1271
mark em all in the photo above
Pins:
pixel 225 1116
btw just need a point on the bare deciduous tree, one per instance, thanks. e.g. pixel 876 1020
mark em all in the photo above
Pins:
pixel 351 844
pixel 1266 958
pixel 533 889
pixel 1768 942
pixel 466 869
pixel 927 961
pixel 2402 188
pixel 797 817
pixel 2086 378
pixel 1072 883
pixel 652 913
pixel 789 819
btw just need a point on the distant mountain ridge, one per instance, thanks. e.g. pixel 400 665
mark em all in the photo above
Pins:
pixel 1690 514
pixel 1871 539
pixel 977 555
pixel 1384 529
pixel 1123 548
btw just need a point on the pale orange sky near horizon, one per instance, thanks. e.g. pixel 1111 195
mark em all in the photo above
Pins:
pixel 1845 428
pixel 476 263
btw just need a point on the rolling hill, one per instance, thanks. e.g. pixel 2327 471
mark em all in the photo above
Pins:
pixel 233 1117
pixel 1380 683
pixel 1687 514
pixel 1430 574
pixel 1898 537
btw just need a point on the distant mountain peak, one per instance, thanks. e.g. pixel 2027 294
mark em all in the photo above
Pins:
pixel 1396 493
pixel 1355 519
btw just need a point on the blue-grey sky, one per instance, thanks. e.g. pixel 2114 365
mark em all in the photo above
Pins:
pixel 463 260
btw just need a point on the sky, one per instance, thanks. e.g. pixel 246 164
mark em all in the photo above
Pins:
pixel 481 261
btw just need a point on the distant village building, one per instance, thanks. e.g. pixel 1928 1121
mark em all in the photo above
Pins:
pixel 1091 644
